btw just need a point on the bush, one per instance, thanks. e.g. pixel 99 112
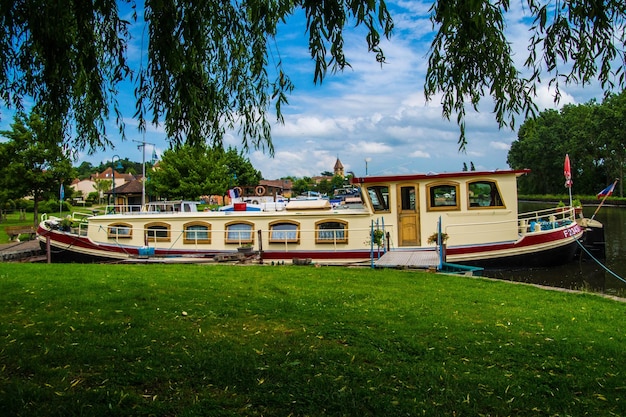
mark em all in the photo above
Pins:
pixel 26 204
pixel 8 205
pixel 93 197
pixel 52 206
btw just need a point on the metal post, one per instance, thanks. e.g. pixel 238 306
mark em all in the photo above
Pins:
pixel 113 186
pixel 372 244
pixel 260 240
pixel 143 169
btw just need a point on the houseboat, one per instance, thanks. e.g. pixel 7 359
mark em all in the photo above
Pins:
pixel 396 215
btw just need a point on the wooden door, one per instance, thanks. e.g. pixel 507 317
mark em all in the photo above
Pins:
pixel 408 215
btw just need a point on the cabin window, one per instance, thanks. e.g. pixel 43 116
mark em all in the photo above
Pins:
pixel 484 194
pixel 120 231
pixel 158 232
pixel 443 196
pixel 197 232
pixel 331 232
pixel 284 232
pixel 240 232
pixel 379 196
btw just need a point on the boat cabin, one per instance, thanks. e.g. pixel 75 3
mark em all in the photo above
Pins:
pixel 474 207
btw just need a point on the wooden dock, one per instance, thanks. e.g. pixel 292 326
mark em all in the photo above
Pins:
pixel 28 251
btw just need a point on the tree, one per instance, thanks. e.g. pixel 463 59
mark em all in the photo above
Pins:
pixel 84 170
pixel 611 135
pixel 239 167
pixel 101 186
pixel 591 134
pixel 211 64
pixel 33 161
pixel 539 147
pixel 192 171
pixel 301 185
pixel 337 182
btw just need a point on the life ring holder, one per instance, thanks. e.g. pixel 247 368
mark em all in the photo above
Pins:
pixel 259 190
pixel 238 191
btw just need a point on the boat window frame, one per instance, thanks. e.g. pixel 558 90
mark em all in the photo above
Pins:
pixel 493 183
pixel 168 229
pixel 430 188
pixel 385 207
pixel 119 225
pixel 331 241
pixel 238 241
pixel 186 240
pixel 272 239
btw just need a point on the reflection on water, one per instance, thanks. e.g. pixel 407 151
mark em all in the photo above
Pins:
pixel 583 273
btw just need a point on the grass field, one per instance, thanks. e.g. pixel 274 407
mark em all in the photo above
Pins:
pixel 206 340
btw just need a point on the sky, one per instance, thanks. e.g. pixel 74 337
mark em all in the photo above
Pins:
pixel 372 118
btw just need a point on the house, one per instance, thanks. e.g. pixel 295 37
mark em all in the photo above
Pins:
pixel 88 185
pixel 127 194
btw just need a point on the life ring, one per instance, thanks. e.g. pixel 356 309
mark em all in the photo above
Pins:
pixel 259 190
pixel 238 191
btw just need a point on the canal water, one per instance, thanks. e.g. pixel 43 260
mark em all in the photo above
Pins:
pixel 584 273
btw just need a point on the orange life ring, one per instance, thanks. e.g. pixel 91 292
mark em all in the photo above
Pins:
pixel 239 191
pixel 259 190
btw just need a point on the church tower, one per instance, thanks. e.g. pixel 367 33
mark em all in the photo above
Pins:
pixel 338 170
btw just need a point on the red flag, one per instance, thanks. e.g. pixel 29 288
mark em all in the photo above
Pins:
pixel 567 171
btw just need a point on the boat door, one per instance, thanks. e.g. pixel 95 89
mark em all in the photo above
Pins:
pixel 408 215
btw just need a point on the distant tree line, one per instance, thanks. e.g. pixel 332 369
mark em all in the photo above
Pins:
pixel 594 136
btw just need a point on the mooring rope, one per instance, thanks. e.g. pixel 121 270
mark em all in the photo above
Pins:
pixel 600 263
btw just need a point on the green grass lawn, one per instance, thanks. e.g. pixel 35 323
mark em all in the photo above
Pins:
pixel 207 340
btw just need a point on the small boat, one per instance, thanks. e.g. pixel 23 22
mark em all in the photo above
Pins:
pixel 395 219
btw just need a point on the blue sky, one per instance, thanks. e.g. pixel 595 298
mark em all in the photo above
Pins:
pixel 365 112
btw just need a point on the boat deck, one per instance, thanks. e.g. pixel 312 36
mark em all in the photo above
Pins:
pixel 409 259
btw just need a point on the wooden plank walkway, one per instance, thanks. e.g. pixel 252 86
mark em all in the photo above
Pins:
pixel 409 259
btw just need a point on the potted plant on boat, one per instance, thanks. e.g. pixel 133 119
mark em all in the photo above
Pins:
pixel 377 237
pixel 434 238
pixel 245 248
pixel 560 207
pixel 578 207
pixel 66 224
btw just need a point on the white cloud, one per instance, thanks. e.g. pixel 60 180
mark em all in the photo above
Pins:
pixel 419 154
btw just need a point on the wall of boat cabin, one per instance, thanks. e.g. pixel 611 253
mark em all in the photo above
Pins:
pixel 167 231
pixel 473 209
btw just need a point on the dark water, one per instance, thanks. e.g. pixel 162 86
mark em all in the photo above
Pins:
pixel 583 273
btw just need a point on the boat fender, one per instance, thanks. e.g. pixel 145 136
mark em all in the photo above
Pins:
pixel 238 191
pixel 260 190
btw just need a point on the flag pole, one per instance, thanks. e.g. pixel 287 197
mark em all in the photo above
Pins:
pixel 570 195
pixel 604 199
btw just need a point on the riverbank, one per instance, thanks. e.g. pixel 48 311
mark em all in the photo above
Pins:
pixel 591 201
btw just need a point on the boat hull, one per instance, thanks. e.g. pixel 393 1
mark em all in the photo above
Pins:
pixel 553 248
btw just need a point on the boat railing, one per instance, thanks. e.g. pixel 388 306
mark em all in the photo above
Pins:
pixel 123 209
pixel 545 219
pixel 527 223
